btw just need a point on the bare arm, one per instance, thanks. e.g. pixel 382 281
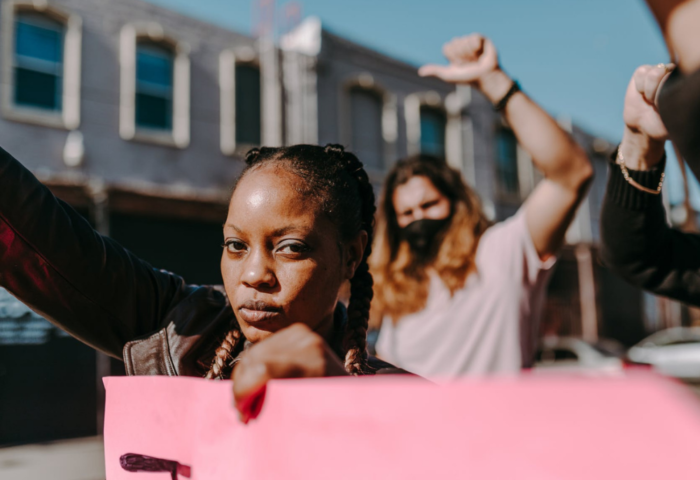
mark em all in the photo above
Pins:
pixel 551 207
pixel 679 21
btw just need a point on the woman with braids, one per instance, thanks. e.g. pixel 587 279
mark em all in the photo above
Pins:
pixel 455 295
pixel 299 225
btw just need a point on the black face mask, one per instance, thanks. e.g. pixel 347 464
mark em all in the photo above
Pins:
pixel 421 236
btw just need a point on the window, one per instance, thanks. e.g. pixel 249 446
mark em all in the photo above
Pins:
pixel 154 86
pixel 366 138
pixel 154 104
pixel 433 122
pixel 248 96
pixel 507 163
pixel 38 62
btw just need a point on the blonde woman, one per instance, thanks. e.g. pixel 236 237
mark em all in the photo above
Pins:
pixel 456 295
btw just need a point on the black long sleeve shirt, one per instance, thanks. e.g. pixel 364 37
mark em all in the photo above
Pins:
pixel 639 244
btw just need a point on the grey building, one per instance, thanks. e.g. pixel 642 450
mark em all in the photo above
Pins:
pixel 139 118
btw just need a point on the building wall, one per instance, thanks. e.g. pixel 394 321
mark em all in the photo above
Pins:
pixel 200 165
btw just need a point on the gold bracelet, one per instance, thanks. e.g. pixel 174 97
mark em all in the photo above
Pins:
pixel 625 173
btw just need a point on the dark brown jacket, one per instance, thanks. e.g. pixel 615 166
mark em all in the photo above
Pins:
pixel 55 262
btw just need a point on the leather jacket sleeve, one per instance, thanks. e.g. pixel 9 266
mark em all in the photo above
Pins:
pixel 638 243
pixel 52 260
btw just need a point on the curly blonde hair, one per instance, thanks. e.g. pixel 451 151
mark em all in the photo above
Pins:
pixel 401 283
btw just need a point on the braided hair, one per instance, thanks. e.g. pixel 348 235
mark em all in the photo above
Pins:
pixel 338 182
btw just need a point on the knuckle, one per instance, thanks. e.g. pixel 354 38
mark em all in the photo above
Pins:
pixel 642 69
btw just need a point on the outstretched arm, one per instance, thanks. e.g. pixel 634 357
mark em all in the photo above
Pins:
pixel 637 242
pixel 551 207
pixel 52 260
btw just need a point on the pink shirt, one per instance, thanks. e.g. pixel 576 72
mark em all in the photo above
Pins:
pixel 488 326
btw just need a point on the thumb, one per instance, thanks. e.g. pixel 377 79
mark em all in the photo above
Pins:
pixel 432 70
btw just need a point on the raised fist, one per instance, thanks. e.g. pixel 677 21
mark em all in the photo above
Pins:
pixel 471 59
pixel 640 113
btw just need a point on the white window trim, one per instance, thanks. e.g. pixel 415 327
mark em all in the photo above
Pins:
pixel 228 59
pixel 389 119
pixel 179 136
pixel 452 106
pixel 69 116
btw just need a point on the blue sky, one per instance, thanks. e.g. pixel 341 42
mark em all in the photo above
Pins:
pixel 574 57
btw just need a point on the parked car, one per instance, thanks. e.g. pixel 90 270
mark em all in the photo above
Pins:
pixel 674 352
pixel 569 354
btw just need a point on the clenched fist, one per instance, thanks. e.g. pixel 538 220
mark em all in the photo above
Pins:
pixel 473 61
pixel 640 113
pixel 294 352
pixel 644 136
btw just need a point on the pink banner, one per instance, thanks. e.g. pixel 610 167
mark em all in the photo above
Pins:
pixel 528 428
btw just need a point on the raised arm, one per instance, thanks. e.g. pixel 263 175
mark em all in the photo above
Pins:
pixel 52 260
pixel 679 20
pixel 637 242
pixel 551 207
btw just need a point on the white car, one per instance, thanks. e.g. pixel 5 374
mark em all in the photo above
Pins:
pixel 569 354
pixel 674 352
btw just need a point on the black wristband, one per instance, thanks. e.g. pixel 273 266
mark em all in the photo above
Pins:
pixel 514 88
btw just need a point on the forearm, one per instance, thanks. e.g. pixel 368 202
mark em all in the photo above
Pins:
pixel 639 245
pixel 552 150
pixel 678 20
pixel 52 260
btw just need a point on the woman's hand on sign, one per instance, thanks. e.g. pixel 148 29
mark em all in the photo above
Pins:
pixel 294 352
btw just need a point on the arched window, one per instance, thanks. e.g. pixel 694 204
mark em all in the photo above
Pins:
pixel 154 86
pixel 507 179
pixel 248 106
pixel 433 124
pixel 41 64
pixel 366 139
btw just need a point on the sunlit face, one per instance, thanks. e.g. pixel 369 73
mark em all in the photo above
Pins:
pixel 418 199
pixel 283 260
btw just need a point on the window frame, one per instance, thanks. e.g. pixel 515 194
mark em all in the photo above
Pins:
pixel 501 193
pixel 68 116
pixel 389 119
pixel 228 61
pixel 439 110
pixel 452 105
pixel 179 134
pixel 154 89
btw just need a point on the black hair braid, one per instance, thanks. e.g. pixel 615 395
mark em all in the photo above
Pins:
pixel 252 156
pixel 221 363
pixel 361 284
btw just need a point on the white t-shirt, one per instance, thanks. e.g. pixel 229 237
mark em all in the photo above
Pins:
pixel 488 326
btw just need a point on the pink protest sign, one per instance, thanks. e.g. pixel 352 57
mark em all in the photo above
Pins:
pixel 526 428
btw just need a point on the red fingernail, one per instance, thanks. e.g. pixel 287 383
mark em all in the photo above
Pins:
pixel 250 407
